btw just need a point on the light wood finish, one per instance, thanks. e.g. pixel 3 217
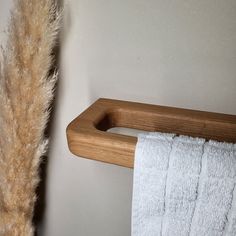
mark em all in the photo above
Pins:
pixel 87 136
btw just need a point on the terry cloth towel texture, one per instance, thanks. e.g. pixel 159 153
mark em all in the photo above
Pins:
pixel 183 186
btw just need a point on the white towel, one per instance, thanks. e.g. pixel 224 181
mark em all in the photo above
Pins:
pixel 183 186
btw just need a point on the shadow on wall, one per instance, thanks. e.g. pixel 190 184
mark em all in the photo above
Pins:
pixel 41 204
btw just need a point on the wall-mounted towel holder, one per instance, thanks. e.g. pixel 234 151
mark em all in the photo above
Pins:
pixel 87 136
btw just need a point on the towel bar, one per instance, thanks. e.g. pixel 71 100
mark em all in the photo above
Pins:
pixel 87 136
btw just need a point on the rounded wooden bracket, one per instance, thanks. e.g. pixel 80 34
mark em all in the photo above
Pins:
pixel 87 136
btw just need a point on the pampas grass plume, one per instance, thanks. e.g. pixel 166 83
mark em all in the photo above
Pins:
pixel 26 90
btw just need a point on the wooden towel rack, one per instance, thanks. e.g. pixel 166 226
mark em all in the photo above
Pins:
pixel 87 136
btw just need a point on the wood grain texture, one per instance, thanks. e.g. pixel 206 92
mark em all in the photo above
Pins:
pixel 87 136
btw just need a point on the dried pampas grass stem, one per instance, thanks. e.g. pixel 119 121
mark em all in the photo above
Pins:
pixel 26 90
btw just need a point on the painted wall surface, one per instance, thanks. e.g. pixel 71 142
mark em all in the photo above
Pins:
pixel 176 53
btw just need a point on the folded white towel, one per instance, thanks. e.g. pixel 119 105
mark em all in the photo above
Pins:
pixel 183 186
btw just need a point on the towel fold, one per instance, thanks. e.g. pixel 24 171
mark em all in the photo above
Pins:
pixel 183 186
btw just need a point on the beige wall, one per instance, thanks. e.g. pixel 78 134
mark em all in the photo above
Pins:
pixel 178 53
